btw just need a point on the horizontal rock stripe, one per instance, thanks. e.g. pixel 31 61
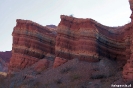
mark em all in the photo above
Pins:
pixel 31 42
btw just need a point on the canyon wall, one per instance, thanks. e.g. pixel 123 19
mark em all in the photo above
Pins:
pixel 128 68
pixel 31 42
pixel 88 40
pixel 84 39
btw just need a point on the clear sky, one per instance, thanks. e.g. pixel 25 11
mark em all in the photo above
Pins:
pixel 45 12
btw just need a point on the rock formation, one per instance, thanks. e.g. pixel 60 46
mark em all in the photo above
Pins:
pixel 41 65
pixel 84 39
pixel 128 68
pixel 31 42
pixel 88 40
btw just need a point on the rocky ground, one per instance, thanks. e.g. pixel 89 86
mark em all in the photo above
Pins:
pixel 73 74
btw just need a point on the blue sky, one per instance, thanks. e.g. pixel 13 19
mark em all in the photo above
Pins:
pixel 45 12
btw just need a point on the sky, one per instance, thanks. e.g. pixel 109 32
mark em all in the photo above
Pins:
pixel 46 12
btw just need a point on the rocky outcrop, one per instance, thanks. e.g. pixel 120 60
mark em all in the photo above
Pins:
pixel 31 42
pixel 88 40
pixel 41 65
pixel 128 68
pixel 84 39
pixel 59 61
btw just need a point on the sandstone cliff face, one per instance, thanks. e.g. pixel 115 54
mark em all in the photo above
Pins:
pixel 31 42
pixel 84 39
pixel 74 36
pixel 88 40
pixel 128 68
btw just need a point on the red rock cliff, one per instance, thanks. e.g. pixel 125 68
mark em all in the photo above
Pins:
pixel 128 68
pixel 87 40
pixel 31 42
pixel 84 39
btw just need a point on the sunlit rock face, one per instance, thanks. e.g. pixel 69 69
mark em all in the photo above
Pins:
pixel 31 42
pixel 88 40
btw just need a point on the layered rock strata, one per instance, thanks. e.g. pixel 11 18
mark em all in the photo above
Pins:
pixel 88 40
pixel 31 42
pixel 84 39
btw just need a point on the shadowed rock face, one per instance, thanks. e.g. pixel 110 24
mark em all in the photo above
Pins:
pixel 31 42
pixel 4 60
pixel 5 56
pixel 84 39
